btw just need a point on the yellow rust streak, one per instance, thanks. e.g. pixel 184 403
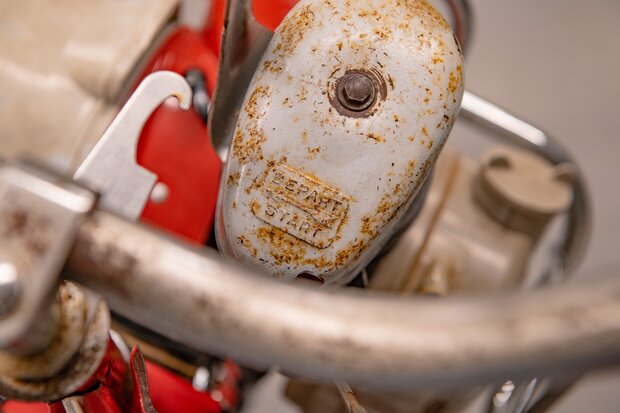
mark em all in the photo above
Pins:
pixel 247 146
pixel 456 79
pixel 293 30
pixel 284 248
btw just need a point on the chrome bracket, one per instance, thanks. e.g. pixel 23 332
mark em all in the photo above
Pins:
pixel 40 214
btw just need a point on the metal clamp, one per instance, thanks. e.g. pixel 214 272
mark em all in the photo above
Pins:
pixel 40 214
pixel 51 340
pixel 244 41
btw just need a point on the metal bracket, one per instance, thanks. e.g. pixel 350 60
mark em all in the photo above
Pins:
pixel 244 41
pixel 40 214
pixel 111 167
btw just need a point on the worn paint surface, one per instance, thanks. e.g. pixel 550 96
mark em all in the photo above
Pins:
pixel 308 188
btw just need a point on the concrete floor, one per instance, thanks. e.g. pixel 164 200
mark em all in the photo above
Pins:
pixel 555 63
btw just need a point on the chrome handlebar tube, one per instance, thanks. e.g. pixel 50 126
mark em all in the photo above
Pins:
pixel 381 341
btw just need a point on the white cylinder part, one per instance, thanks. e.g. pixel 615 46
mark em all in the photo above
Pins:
pixel 310 187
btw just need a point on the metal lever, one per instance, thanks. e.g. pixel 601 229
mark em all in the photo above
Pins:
pixel 243 43
pixel 111 167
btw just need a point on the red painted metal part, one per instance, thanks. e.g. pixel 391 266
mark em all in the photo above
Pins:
pixel 271 12
pixel 176 146
pixel 121 388
pixel 171 393
pixel 107 390
pixel 23 407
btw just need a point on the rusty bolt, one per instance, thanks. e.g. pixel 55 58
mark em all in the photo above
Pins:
pixel 9 288
pixel 356 91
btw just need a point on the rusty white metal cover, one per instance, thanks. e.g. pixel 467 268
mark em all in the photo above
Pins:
pixel 311 186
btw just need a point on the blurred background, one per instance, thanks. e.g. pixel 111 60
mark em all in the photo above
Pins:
pixel 556 64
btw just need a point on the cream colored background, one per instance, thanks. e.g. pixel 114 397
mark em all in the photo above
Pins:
pixel 557 64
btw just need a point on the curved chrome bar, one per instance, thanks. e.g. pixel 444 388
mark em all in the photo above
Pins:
pixel 523 134
pixel 381 341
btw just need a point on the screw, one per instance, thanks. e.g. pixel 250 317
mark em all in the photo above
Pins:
pixel 201 379
pixel 356 91
pixel 160 193
pixel 9 288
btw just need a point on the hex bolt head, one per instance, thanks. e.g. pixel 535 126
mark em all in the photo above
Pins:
pixel 9 288
pixel 358 88
pixel 356 91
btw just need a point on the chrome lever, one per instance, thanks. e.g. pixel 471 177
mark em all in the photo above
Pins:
pixel 111 167
pixel 244 41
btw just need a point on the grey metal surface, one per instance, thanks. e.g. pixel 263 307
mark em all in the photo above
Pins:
pixel 111 167
pixel 92 343
pixel 39 214
pixel 71 305
pixel 380 341
pixel 243 42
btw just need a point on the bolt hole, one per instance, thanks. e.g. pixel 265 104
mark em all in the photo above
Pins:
pixel 311 277
pixel 500 161
pixel 357 92
pixel 564 173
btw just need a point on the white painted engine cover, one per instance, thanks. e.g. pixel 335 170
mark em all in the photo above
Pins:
pixel 309 188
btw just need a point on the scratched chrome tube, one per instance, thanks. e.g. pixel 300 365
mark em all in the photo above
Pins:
pixel 378 341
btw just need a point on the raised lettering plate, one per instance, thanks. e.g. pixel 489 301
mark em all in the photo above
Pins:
pixel 301 206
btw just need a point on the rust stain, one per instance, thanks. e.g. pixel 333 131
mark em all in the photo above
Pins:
pixel 284 248
pixel 233 179
pixel 272 66
pixel 456 78
pixel 302 94
pixel 15 223
pixel 375 137
pixel 293 30
pixel 313 152
pixel 388 208
pixel 29 228
pixel 300 204
pixel 252 106
pixel 248 245
pixel 247 146
pixel 248 150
